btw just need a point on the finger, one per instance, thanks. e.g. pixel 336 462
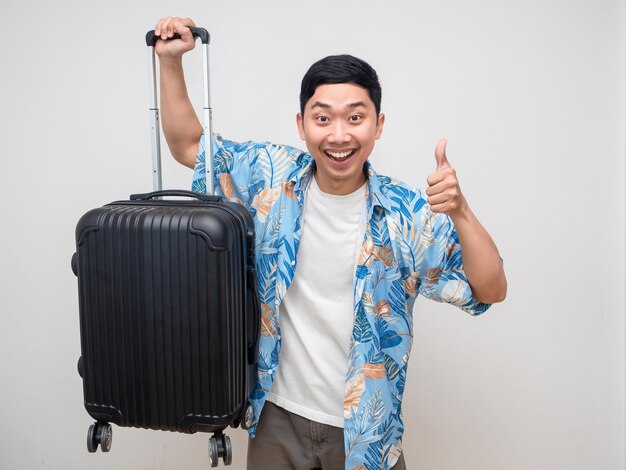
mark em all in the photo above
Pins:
pixel 170 27
pixel 451 194
pixel 437 199
pixel 440 154
pixel 188 22
pixel 184 31
pixel 435 178
pixel 163 27
pixel 446 184
pixel 439 208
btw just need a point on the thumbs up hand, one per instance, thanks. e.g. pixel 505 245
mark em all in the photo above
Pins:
pixel 444 193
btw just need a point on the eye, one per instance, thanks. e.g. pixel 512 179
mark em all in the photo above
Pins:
pixel 355 118
pixel 322 119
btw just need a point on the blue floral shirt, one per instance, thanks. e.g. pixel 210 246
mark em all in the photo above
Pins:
pixel 407 250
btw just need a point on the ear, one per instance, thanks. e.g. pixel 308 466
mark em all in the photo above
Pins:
pixel 300 123
pixel 379 125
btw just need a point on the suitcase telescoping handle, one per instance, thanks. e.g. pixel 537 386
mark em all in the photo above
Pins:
pixel 207 113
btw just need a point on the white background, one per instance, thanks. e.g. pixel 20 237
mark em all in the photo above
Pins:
pixel 531 96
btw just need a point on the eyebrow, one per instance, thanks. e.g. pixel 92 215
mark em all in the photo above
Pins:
pixel 358 104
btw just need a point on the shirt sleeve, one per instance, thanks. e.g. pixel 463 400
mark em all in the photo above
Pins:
pixel 440 268
pixel 242 171
pixel 231 166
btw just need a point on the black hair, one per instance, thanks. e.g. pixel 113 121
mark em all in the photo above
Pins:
pixel 340 69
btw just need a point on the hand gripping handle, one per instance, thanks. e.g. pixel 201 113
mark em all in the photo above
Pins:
pixel 201 33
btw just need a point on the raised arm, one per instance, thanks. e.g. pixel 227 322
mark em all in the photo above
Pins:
pixel 481 261
pixel 181 126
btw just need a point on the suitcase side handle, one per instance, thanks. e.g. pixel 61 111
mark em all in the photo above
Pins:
pixel 255 315
pixel 201 33
pixel 175 192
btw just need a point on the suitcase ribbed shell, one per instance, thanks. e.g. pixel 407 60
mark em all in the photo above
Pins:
pixel 163 314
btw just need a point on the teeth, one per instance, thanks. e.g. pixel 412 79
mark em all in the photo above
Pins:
pixel 339 155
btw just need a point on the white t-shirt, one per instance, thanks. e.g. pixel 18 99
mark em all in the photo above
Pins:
pixel 316 315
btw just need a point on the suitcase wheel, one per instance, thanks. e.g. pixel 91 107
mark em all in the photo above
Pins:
pixel 220 446
pixel 213 452
pixel 105 436
pixel 92 445
pixel 228 451
pixel 99 434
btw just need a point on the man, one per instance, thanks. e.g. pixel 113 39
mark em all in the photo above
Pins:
pixel 341 255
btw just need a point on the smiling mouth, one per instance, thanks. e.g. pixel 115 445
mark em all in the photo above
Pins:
pixel 339 156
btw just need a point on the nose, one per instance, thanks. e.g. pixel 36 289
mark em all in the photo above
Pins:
pixel 339 134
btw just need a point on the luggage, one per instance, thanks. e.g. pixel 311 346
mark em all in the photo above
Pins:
pixel 169 311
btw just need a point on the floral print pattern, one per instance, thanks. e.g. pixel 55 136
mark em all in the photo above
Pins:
pixel 407 250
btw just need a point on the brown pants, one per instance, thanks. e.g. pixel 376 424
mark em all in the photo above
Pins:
pixel 286 441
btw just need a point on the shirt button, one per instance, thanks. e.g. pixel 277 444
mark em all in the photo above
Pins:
pixel 278 337
pixel 270 372
pixel 293 263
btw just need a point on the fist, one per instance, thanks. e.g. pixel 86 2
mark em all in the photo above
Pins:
pixel 444 193
pixel 167 47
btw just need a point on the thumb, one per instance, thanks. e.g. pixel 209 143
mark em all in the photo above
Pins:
pixel 440 154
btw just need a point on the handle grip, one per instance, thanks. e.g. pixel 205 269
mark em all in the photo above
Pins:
pixel 175 192
pixel 201 33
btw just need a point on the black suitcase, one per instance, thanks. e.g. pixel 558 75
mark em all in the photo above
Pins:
pixel 169 312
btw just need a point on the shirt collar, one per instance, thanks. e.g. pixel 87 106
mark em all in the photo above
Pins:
pixel 305 167
pixel 375 195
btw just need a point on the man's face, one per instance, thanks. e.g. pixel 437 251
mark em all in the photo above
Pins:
pixel 340 126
